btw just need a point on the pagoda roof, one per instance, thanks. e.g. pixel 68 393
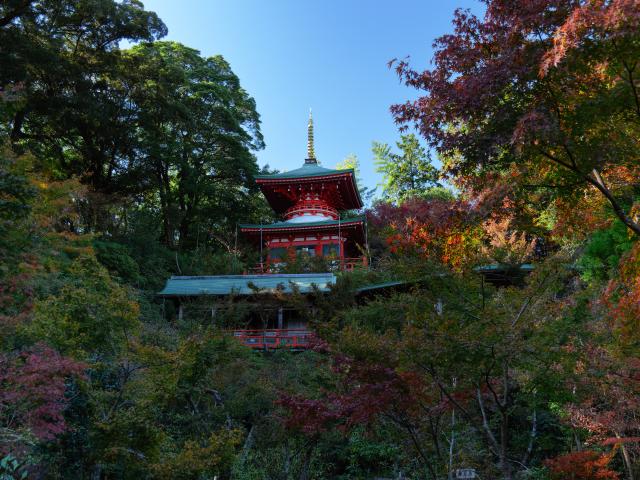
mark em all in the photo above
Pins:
pixel 297 226
pixel 308 170
pixel 348 196
pixel 181 286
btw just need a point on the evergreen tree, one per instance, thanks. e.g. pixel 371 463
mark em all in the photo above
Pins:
pixel 405 174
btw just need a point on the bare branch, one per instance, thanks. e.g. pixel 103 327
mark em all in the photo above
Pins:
pixel 532 437
pixel 485 422
pixel 632 83
pixel 597 181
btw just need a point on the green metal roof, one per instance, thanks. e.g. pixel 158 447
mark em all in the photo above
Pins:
pixel 278 225
pixel 241 284
pixel 496 267
pixel 380 286
pixel 307 170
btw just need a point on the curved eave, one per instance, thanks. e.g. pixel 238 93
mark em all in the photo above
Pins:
pixel 306 172
pixel 352 195
pixel 298 227
pixel 301 179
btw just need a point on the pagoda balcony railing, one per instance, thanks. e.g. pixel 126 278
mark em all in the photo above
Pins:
pixel 297 338
pixel 311 207
pixel 344 265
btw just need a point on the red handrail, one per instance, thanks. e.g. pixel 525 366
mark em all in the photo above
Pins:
pixel 345 264
pixel 313 207
pixel 274 338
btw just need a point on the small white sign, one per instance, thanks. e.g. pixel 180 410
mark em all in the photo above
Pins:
pixel 464 473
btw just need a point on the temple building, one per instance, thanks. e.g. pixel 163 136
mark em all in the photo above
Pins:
pixel 268 307
pixel 310 200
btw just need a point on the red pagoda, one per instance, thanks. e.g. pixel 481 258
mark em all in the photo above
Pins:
pixel 310 200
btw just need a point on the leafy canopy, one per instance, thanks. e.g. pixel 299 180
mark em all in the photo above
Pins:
pixel 405 174
pixel 541 94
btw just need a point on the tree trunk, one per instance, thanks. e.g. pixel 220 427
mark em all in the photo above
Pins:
pixel 304 474
pixel 96 472
pixel 184 229
pixel 505 466
pixel 452 442
pixel 164 192
pixel 598 182
pixel 287 462
pixel 248 444
pixel 627 460
pixel 18 120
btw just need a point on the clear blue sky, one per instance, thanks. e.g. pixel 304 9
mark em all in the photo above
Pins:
pixel 330 55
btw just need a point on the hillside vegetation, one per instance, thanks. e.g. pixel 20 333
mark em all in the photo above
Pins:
pixel 120 167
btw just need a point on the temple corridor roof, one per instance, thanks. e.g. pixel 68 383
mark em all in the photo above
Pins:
pixel 179 286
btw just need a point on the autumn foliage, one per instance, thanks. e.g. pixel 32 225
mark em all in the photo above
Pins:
pixel 436 229
pixel 366 392
pixel 121 167
pixel 622 297
pixel 617 19
pixel 545 88
pixel 586 465
pixel 32 397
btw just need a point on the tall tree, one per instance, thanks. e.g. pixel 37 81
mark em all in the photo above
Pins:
pixel 407 173
pixel 60 61
pixel 196 129
pixel 544 92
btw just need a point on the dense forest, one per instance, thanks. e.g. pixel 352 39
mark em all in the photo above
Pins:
pixel 121 166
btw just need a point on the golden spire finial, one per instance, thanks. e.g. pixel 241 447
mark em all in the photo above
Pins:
pixel 311 154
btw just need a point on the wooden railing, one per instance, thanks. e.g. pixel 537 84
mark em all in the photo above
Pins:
pixel 274 338
pixel 349 264
pixel 314 207
pixel 344 265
